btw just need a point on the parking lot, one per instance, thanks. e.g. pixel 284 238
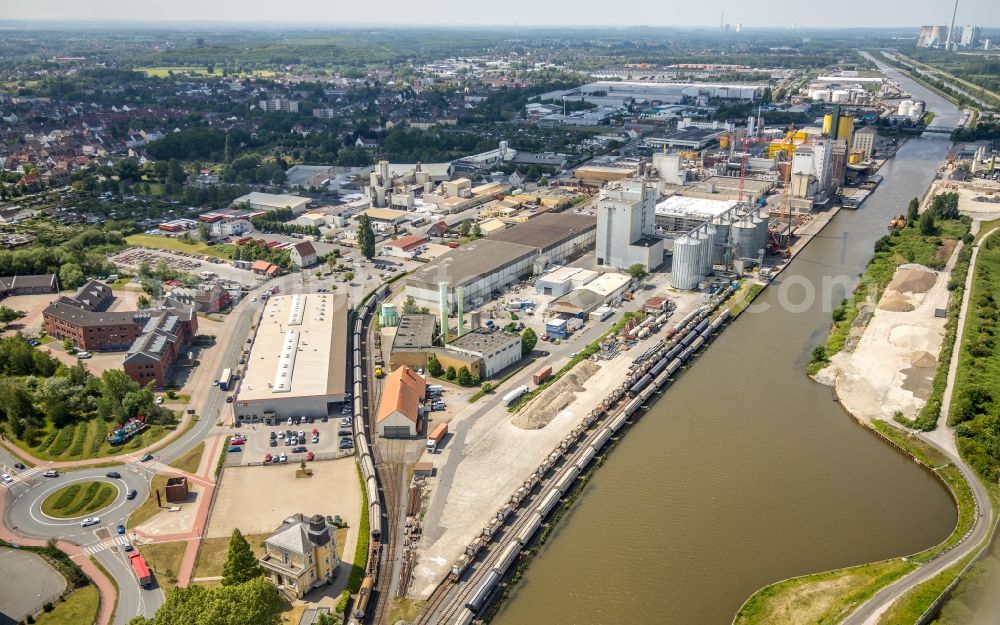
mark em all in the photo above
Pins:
pixel 322 439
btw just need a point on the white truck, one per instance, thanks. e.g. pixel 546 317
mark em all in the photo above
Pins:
pixel 514 395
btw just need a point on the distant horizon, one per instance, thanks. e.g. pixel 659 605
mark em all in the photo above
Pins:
pixel 757 14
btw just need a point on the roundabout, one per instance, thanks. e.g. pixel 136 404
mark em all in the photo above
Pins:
pixel 79 500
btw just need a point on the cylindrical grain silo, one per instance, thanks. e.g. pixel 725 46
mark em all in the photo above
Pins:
pixel 708 250
pixel 685 272
pixel 721 241
pixel 744 234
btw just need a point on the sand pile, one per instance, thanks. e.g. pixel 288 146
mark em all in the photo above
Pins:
pixel 923 360
pixel 895 302
pixel 555 398
pixel 913 279
pixel 913 338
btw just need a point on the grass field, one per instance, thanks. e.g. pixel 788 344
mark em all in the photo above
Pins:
pixel 820 599
pixel 79 499
pixel 148 508
pixel 85 439
pixel 212 554
pixel 224 250
pixel 189 462
pixel 163 72
pixel 164 559
pixel 79 609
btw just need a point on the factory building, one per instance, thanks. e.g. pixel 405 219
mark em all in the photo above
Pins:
pixel 606 289
pixel 562 280
pixel 270 201
pixel 401 404
pixel 626 92
pixel 298 360
pixel 680 213
pixel 864 142
pixel 625 226
pixel 485 266
pixel 495 348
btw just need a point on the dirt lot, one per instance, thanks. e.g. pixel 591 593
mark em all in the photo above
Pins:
pixel 257 499
pixel 32 305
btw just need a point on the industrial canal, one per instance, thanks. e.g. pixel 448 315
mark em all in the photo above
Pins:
pixel 745 471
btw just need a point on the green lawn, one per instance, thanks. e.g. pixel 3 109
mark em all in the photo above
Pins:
pixel 86 439
pixel 79 499
pixel 164 559
pixel 148 509
pixel 163 72
pixel 212 553
pixel 224 250
pixel 79 609
pixel 189 462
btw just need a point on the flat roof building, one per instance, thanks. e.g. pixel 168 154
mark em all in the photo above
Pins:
pixel 497 349
pixel 562 280
pixel 298 361
pixel 271 201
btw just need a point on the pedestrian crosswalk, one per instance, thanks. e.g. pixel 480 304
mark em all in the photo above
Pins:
pixel 100 546
pixel 21 477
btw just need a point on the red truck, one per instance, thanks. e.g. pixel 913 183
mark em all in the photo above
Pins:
pixel 141 570
pixel 436 437
pixel 542 374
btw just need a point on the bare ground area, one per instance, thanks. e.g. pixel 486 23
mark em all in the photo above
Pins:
pixel 555 398
pixel 892 367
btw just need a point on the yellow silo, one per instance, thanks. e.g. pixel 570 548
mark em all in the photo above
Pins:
pixel 845 129
pixel 828 124
pixel 854 158
pixel 724 142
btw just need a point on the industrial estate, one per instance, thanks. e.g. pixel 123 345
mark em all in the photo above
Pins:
pixel 338 341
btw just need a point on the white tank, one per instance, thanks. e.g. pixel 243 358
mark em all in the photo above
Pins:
pixel 840 95
pixel 686 270
pixel 721 239
pixel 708 250
pixel 760 221
pixel 744 234
pixel 820 95
pixel 905 107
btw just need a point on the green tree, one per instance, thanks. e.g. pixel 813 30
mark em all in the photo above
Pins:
pixel 241 564
pixel 638 272
pixel 142 302
pixel 451 374
pixel 410 306
pixel 366 237
pixel 255 602
pixel 465 377
pixel 203 232
pixel 71 276
pixel 434 366
pixel 927 225
pixel 465 229
pixel 475 232
pixel 528 341
pixel 912 212
pixel 8 314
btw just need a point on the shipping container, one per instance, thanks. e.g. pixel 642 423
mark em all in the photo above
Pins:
pixel 542 374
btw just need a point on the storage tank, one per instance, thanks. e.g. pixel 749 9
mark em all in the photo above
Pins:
pixel 760 221
pixel 828 124
pixel 905 108
pixel 724 142
pixel 845 129
pixel 685 272
pixel 388 317
pixel 855 158
pixel 721 239
pixel 702 243
pixel 708 249
pixel 821 95
pixel 840 95
pixel 744 235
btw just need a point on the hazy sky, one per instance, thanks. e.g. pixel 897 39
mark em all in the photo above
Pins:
pixel 766 13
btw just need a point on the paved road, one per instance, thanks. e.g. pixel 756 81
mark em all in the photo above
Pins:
pixel 29 582
pixel 869 612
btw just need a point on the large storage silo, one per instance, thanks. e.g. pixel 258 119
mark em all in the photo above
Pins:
pixel 744 234
pixel 708 249
pixel 721 240
pixel 760 221
pixel 702 244
pixel 686 270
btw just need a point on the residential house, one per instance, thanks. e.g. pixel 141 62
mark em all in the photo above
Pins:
pixel 300 555
pixel 303 254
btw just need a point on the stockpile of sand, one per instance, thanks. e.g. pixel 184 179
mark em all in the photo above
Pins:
pixel 913 279
pixel 915 338
pixel 923 360
pixel 555 398
pixel 895 301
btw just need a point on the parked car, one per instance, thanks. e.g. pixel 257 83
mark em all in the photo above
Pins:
pixel 132 494
pixel 159 400
pixel 315 438
pixel 323 419
pixel 121 529
pixel 51 473
pixel 288 441
pixel 345 445
pixel 310 456
pixel 315 432
pixel 282 458
pixel 235 448
pixel 299 450
pixel 237 442
pixel 84 355
pixel 91 520
pixel 229 399
pixel 267 458
pixel 115 475
pixel 279 435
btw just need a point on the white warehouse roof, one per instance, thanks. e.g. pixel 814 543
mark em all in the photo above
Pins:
pixel 683 206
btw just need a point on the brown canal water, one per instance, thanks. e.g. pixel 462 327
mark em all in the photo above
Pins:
pixel 745 471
